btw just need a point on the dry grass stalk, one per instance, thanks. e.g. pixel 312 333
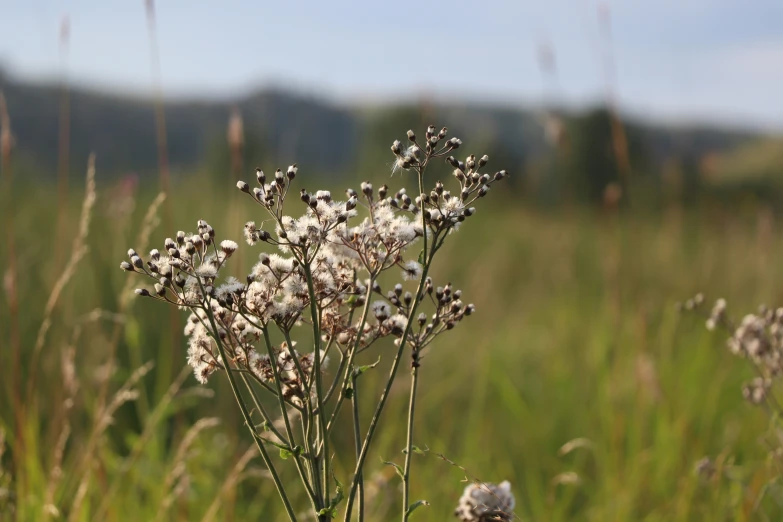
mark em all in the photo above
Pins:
pixel 149 223
pixel 71 387
pixel 231 481
pixel 177 479
pixel 78 252
pixel 126 393
pixel 150 424
pixel 63 154
pixel 10 275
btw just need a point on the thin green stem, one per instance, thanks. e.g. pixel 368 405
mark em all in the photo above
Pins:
pixel 358 441
pixel 352 354
pixel 318 385
pixel 406 475
pixel 385 394
pixel 284 412
pixel 246 414
pixel 409 446
pixel 260 407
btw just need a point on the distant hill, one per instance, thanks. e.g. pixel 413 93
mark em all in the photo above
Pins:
pixel 291 127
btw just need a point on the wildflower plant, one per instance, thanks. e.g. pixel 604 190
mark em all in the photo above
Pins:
pixel 758 339
pixel 321 273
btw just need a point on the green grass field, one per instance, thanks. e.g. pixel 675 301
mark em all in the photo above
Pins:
pixel 576 336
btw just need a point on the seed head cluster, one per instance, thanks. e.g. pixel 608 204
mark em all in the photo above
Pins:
pixel 331 256
pixel 758 338
pixel 482 502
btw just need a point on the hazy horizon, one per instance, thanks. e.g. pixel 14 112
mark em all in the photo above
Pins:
pixel 714 62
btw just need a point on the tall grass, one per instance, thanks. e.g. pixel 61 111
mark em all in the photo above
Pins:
pixel 585 344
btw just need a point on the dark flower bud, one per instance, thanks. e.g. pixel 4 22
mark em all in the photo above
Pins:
pixel 411 136
pixel 443 132
pixel 143 292
pixel 396 147
pixel 244 187
pixel 483 161
pixel 382 191
pixel 169 243
pixel 137 262
pixel 291 172
pixel 351 193
pixel 500 175
pixel 453 162
pixel 127 266
pixel 260 176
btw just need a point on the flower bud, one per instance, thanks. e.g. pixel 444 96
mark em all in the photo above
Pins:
pixel 127 266
pixel 411 136
pixel 244 187
pixel 260 176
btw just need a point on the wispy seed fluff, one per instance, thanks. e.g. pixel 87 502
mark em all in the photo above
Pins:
pixel 486 502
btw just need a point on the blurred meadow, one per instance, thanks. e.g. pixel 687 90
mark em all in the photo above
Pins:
pixel 578 380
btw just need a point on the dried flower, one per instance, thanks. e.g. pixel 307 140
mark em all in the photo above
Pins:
pixel 486 502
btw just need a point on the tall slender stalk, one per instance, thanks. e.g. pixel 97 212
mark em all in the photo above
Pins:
pixel 246 413
pixel 318 385
pixel 358 442
pixel 314 499
pixel 384 396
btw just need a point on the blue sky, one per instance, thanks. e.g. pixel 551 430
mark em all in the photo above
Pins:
pixel 675 60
